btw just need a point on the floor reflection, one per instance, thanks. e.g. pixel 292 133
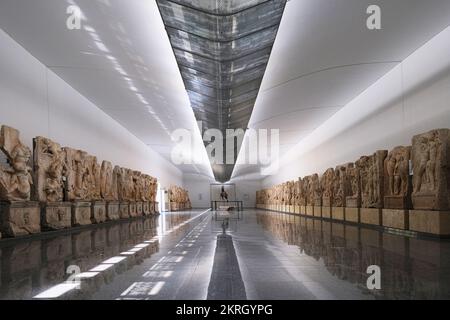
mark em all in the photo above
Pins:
pixel 411 268
pixel 29 267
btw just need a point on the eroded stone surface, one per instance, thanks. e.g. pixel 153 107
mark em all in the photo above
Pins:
pixel 112 211
pixel 431 165
pixel 397 182
pixel 98 212
pixel 56 216
pixel 81 213
pixel 15 177
pixel 20 218
pixel 372 179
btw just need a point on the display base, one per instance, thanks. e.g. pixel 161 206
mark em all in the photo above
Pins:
pixel 370 216
pixel 309 210
pixel 20 218
pixel 124 210
pixel 98 212
pixel 112 211
pixel 318 211
pixel 133 209
pixel 352 215
pixel 326 212
pixel 146 208
pixel 338 213
pixel 432 222
pixel 140 208
pixel 56 215
pixel 81 213
pixel 395 218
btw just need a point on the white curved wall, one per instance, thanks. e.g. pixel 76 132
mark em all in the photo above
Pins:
pixel 37 102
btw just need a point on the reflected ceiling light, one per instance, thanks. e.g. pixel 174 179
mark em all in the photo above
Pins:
pixel 57 291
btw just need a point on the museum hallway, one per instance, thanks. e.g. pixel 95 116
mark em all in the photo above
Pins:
pixel 178 256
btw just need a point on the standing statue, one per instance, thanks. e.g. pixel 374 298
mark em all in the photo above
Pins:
pixel 397 183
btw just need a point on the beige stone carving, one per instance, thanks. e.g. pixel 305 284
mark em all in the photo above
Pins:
pixel 77 174
pixel 108 182
pixel 316 189
pixel 431 167
pixel 342 186
pixel 353 200
pixel 15 179
pixel 397 182
pixel 372 179
pixel 49 170
pixel 327 186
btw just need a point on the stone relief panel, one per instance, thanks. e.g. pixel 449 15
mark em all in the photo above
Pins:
pixel 49 170
pixel 15 178
pixel 371 170
pixel 431 167
pixel 342 185
pixel 397 180
pixel 327 187
pixel 353 199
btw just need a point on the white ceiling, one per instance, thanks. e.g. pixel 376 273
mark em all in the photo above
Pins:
pixel 324 56
pixel 122 61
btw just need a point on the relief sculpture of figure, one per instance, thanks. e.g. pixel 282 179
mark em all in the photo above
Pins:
pixel 49 170
pixel 15 179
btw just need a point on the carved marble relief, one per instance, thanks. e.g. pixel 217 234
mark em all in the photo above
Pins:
pixel 15 177
pixel 397 181
pixel 342 185
pixel 49 170
pixel 316 189
pixel 353 199
pixel 327 187
pixel 108 182
pixel 431 167
pixel 371 170
pixel 77 174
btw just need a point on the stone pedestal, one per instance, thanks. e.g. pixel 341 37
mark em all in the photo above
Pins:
pixel 139 208
pixel 432 222
pixel 81 213
pixel 309 210
pixel 146 208
pixel 133 210
pixel 396 202
pixel 291 209
pixel 352 215
pixel 156 205
pixel 326 212
pixel 124 209
pixel 370 216
pixel 318 211
pixel 395 218
pixel 98 212
pixel 338 213
pixel 112 211
pixel 19 218
pixel 297 209
pixel 56 215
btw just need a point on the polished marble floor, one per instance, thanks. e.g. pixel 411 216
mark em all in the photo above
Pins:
pixel 186 255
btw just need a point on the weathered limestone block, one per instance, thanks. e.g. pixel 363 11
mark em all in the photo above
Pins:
pixel 81 213
pixel 56 215
pixel 338 213
pixel 98 212
pixel 112 211
pixel 316 190
pixel 431 167
pixel 397 180
pixel 20 218
pixel 124 209
pixel 352 215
